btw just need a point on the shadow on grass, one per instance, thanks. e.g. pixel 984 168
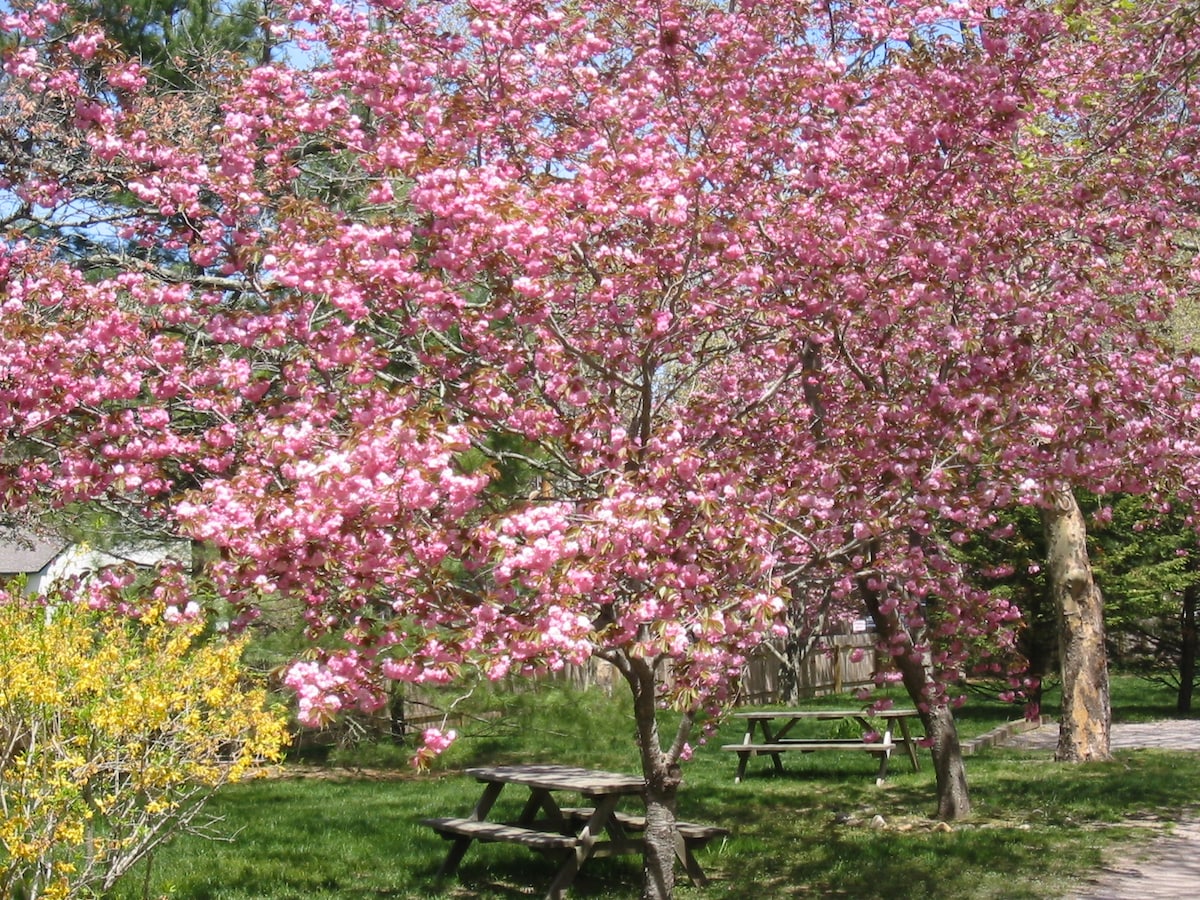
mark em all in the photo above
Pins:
pixel 808 833
pixel 1135 780
pixel 504 872
pixel 866 866
pixel 804 833
pixel 797 846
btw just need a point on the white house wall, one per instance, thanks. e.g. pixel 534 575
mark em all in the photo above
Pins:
pixel 81 560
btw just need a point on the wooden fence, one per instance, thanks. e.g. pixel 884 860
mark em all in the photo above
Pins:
pixel 832 666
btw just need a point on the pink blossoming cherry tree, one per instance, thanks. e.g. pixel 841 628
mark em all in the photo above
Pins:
pixel 504 334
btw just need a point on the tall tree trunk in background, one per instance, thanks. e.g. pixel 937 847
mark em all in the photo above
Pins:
pixel 1083 733
pixel 803 635
pixel 953 798
pixel 791 664
pixel 397 719
pixel 1038 642
pixel 1188 641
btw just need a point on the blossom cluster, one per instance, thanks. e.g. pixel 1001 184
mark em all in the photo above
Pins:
pixel 569 331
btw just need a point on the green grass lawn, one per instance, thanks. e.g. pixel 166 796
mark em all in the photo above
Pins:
pixel 1037 824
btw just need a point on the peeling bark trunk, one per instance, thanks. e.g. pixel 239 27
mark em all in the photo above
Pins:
pixel 953 797
pixel 1083 733
pixel 658 855
pixel 1188 645
pixel 663 777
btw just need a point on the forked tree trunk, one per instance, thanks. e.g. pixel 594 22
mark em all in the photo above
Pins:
pixel 1083 733
pixel 953 798
pixel 1188 645
pixel 804 630
pixel 663 777
pixel 796 651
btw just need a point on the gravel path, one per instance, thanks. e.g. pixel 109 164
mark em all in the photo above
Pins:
pixel 1169 867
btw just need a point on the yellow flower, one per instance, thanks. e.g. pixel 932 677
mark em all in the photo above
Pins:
pixel 124 720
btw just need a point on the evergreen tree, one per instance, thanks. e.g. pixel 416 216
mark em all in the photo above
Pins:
pixel 1010 562
pixel 179 39
pixel 1146 559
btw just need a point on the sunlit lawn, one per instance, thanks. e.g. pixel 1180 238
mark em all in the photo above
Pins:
pixel 1037 824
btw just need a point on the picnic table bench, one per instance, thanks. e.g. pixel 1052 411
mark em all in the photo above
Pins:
pixel 570 834
pixel 775 741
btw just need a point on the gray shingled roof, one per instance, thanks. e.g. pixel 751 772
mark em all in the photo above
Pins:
pixel 23 552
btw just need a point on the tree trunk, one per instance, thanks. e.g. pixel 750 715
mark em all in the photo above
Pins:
pixel 663 777
pixel 1188 641
pixel 797 647
pixel 1083 733
pixel 397 719
pixel 791 665
pixel 954 801
pixel 953 798
pixel 1038 642
pixel 804 632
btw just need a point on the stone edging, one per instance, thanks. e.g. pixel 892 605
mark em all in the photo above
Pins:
pixel 1002 733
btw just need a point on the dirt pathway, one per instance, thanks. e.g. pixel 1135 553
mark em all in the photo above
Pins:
pixel 1168 868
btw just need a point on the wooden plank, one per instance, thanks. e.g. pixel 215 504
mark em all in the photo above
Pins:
pixel 767 714
pixel 496 832
pixel 808 746
pixel 691 831
pixel 561 778
pixel 695 833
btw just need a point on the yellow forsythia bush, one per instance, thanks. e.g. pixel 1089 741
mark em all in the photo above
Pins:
pixel 114 731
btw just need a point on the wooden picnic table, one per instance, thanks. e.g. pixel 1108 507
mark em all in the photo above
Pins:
pixel 775 724
pixel 571 834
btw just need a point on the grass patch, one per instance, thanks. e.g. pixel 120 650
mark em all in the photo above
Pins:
pixel 807 833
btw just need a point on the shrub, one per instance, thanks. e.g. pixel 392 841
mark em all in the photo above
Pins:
pixel 114 731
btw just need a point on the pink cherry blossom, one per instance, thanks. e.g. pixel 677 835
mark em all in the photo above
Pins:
pixel 666 334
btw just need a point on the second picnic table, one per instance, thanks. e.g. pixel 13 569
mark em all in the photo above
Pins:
pixel 775 724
